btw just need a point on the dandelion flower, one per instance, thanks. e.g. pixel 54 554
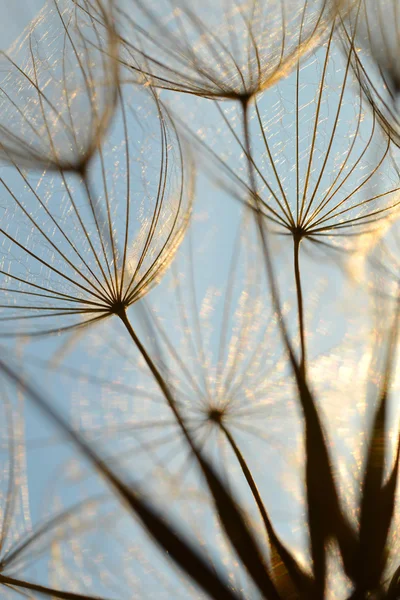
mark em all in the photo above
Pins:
pixel 318 167
pixel 217 345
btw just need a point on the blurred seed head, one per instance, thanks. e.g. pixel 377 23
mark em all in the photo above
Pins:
pixel 224 49
pixel 375 27
pixel 59 86
pixel 382 274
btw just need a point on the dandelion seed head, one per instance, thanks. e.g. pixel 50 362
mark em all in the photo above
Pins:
pixel 224 50
pixel 84 248
pixel 324 169
pixel 57 90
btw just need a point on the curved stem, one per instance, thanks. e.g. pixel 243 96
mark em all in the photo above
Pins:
pixel 277 548
pixel 249 478
pixel 300 307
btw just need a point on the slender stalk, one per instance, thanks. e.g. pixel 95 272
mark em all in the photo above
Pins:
pixel 249 478
pixel 157 376
pixel 295 572
pixel 267 255
pixel 324 512
pixel 300 307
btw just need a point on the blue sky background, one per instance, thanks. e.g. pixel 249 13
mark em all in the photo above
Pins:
pixel 90 376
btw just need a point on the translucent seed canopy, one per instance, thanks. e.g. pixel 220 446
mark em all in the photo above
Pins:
pixel 324 169
pixel 232 347
pixel 376 27
pixel 72 250
pixel 222 48
pixel 58 86
pixel 218 343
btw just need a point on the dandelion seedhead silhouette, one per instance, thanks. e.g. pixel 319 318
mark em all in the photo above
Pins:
pixel 75 251
pixel 223 49
pixel 318 167
pixel 59 87
pixel 322 166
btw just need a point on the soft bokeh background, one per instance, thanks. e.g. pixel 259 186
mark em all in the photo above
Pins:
pixel 210 326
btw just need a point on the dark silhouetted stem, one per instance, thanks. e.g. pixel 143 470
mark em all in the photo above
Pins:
pixel 249 478
pixel 297 575
pixel 180 550
pixel 300 307
pixel 325 516
pixel 157 375
pixel 19 584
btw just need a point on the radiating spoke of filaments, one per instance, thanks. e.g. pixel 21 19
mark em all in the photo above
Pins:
pixel 75 250
pixel 224 49
pixel 321 162
pixel 58 86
